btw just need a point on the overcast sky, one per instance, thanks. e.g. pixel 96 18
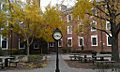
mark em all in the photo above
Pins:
pixel 44 3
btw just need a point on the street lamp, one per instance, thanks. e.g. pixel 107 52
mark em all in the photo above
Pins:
pixel 57 35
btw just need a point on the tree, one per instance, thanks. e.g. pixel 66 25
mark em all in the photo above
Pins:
pixel 30 22
pixel 26 21
pixel 83 29
pixel 112 15
pixel 52 20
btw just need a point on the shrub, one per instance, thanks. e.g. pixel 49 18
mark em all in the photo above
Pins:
pixel 35 58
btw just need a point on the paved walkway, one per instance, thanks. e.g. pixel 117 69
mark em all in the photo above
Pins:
pixel 63 67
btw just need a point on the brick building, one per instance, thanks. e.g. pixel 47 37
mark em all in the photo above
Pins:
pixel 12 44
pixel 92 40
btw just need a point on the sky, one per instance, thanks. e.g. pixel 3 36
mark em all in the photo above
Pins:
pixel 44 3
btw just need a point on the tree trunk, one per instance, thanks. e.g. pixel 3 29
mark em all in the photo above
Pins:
pixel 28 51
pixel 115 50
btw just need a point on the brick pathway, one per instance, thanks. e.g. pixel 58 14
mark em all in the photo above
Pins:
pixel 63 67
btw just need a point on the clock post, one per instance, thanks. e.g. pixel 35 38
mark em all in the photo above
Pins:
pixel 57 35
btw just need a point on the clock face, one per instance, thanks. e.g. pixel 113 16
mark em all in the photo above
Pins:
pixel 57 35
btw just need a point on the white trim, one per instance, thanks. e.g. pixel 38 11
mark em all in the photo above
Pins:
pixel 59 44
pixel 69 29
pixel 19 45
pixel 71 41
pixel 95 25
pixel 94 36
pixel 107 22
pixel 1 6
pixel 51 44
pixel 68 20
pixel 79 41
pixel 107 40
pixel 6 43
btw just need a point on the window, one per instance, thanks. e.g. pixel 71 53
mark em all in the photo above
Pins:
pixel 4 43
pixel 69 18
pixel 2 6
pixel 60 43
pixel 109 40
pixel 21 44
pixel 80 41
pixel 108 25
pixel 51 44
pixel 69 29
pixel 106 10
pixel 94 24
pixel 36 46
pixel 69 42
pixel 94 40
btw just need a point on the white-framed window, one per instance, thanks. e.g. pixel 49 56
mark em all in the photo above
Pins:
pixel 60 43
pixel 94 24
pixel 94 40
pixel 80 41
pixel 108 25
pixel 21 44
pixel 69 17
pixel 106 9
pixel 109 40
pixel 51 44
pixel 2 6
pixel 69 29
pixel 69 41
pixel 4 43
pixel 36 46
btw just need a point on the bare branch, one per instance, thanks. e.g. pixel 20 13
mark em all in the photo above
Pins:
pixel 100 17
pixel 103 31
pixel 118 28
pixel 31 41
pixel 108 7
pixel 101 10
pixel 117 14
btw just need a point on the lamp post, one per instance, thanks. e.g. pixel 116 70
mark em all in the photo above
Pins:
pixel 57 35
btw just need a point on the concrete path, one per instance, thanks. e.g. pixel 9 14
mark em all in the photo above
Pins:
pixel 63 67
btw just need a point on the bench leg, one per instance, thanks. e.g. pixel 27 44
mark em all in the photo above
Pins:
pixel 16 64
pixel 2 66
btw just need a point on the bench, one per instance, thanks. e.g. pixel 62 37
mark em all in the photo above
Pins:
pixel 73 57
pixel 1 64
pixel 103 62
pixel 85 59
pixel 15 61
